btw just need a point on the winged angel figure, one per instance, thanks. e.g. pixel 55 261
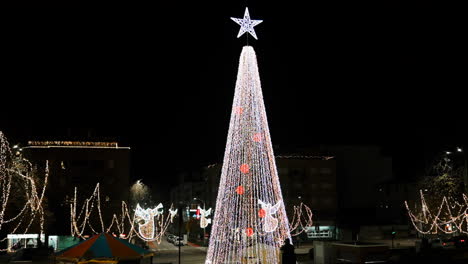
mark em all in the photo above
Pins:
pixel 204 222
pixel 147 215
pixel 173 213
pixel 270 223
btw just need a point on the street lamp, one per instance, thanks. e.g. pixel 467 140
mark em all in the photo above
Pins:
pixel 200 201
pixel 204 231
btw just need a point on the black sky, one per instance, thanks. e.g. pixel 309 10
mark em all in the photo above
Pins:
pixel 161 78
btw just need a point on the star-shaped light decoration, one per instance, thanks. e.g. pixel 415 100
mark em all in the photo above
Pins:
pixel 246 24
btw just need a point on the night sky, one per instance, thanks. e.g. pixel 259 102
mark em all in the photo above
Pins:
pixel 161 78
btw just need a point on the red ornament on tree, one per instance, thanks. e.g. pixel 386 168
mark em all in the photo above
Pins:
pixel 240 189
pixel 257 137
pixel 244 168
pixel 249 231
pixel 261 213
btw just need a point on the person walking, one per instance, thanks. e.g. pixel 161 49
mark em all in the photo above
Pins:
pixel 287 253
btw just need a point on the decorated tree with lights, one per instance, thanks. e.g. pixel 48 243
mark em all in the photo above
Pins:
pixel 23 206
pixel 442 207
pixel 445 178
pixel 250 222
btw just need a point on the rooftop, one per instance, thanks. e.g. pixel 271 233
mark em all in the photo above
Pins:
pixel 73 144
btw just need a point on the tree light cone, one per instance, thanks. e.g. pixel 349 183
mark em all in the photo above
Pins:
pixel 239 234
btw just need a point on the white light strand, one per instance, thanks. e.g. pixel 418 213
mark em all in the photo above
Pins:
pixel 301 220
pixel 448 218
pixel 152 230
pixel 248 174
pixel 16 168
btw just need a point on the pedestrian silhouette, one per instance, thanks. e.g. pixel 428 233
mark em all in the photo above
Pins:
pixel 288 255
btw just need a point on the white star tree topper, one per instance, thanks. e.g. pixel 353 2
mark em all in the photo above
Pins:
pixel 247 25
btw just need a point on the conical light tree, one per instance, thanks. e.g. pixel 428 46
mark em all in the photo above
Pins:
pixel 250 222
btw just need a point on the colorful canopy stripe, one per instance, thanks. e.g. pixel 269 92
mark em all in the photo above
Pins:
pixel 103 246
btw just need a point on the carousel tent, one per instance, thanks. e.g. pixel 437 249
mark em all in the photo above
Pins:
pixel 104 248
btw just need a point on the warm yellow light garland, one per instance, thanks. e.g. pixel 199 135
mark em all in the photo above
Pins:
pixel 16 167
pixel 448 219
pixel 154 226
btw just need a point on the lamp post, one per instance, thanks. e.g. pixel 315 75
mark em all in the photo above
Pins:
pixel 181 220
pixel 204 233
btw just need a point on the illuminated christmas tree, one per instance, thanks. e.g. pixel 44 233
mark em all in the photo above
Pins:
pixel 250 222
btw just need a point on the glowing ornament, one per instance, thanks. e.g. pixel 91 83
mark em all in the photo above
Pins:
pixel 257 137
pixel 238 110
pixel 247 25
pixel 261 213
pixel 244 168
pixel 249 231
pixel 240 190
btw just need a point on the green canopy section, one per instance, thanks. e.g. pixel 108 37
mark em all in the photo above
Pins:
pixel 104 246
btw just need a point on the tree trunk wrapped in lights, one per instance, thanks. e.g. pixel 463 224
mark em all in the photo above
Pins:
pixel 250 222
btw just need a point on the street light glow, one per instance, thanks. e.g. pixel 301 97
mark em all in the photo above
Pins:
pixel 459 149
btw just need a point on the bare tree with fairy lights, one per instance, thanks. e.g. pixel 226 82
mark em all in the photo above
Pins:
pixel 22 196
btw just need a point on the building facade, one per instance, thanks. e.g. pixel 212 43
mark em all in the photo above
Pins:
pixel 311 180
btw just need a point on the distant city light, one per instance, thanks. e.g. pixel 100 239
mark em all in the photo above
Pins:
pixel 459 149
